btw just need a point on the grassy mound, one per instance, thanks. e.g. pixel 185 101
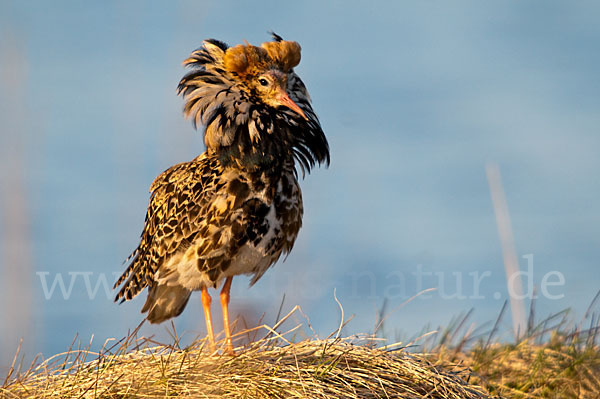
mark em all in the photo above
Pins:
pixel 555 358
pixel 335 368
pixel 527 370
pixel 452 365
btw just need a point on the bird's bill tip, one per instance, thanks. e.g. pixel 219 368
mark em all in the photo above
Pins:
pixel 285 100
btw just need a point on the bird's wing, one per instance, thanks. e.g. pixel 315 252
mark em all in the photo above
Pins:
pixel 180 197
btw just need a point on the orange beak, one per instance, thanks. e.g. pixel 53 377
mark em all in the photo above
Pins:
pixel 284 99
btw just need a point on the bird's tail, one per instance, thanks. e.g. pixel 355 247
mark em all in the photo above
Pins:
pixel 165 301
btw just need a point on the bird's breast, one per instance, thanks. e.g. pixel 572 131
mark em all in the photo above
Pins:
pixel 273 224
pixel 247 227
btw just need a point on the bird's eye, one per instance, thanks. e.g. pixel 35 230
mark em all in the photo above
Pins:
pixel 263 81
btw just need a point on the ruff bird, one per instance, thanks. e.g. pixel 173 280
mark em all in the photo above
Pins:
pixel 236 208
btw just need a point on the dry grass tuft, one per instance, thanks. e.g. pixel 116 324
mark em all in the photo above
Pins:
pixel 272 367
pixel 309 369
pixel 556 359
pixel 528 370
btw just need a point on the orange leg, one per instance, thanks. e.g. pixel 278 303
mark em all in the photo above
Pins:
pixel 206 301
pixel 225 305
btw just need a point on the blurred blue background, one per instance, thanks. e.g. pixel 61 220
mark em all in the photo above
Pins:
pixel 415 98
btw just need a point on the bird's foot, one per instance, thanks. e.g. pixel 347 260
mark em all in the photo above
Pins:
pixel 229 349
pixel 230 352
pixel 212 348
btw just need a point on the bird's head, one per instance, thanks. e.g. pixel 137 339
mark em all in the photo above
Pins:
pixel 263 71
pixel 270 87
pixel 252 102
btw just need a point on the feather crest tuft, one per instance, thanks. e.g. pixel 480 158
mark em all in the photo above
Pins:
pixel 246 59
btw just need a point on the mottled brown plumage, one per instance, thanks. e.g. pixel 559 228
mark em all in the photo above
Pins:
pixel 236 208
